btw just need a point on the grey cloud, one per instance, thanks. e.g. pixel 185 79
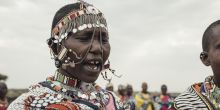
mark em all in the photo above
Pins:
pixel 7 3
pixel 156 41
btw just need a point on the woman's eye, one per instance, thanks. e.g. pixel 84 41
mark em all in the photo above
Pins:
pixel 105 39
pixel 83 38
pixel 217 46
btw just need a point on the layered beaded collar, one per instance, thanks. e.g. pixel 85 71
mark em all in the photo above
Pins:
pixel 80 92
pixel 70 83
pixel 65 79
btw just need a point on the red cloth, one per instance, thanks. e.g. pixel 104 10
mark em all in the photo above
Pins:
pixel 3 106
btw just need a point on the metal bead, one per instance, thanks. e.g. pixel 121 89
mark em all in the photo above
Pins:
pixel 89 25
pixel 45 104
pixel 33 105
pixel 102 25
pixel 84 96
pixel 92 96
pixel 85 26
pixel 40 101
pixel 34 102
pixel 52 101
pixel 98 22
pixel 59 96
pixel 47 100
pixel 80 28
pixel 55 99
pixel 38 105
pixel 55 41
pixel 56 37
pixel 37 98
pixel 58 101
pixel 64 90
pixel 79 94
pixel 52 85
pixel 51 97
pixel 74 30
pixel 62 36
pixel 65 34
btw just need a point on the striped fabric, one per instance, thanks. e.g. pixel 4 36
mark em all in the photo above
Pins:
pixel 191 100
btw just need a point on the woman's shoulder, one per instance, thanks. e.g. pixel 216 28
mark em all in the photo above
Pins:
pixel 35 94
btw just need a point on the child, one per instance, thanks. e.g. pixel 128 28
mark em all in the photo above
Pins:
pixel 205 95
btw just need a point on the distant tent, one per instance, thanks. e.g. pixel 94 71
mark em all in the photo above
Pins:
pixel 3 77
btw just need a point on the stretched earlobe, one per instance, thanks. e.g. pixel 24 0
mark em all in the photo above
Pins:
pixel 204 58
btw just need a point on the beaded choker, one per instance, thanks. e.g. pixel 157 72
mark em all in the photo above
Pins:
pixel 65 79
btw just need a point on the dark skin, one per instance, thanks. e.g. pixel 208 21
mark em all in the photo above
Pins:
pixel 122 92
pixel 110 88
pixel 164 90
pixel 144 87
pixel 129 90
pixel 212 57
pixel 99 51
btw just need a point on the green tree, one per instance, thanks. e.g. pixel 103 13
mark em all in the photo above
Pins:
pixel 3 77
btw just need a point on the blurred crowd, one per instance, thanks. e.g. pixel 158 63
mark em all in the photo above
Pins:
pixel 143 100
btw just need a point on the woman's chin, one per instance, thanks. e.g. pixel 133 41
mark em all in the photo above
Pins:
pixel 89 79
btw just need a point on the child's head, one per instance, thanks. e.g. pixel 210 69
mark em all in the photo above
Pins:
pixel 211 49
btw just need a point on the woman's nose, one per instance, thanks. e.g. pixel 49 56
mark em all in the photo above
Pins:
pixel 96 47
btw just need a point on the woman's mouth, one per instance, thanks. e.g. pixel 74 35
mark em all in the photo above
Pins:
pixel 94 65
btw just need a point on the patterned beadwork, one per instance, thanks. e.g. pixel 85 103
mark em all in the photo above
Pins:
pixel 78 20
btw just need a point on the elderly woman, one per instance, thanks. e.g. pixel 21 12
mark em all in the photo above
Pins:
pixel 80 46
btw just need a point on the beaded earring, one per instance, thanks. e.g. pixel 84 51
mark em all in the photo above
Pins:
pixel 57 63
pixel 106 69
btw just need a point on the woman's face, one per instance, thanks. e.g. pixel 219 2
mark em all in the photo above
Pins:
pixel 90 67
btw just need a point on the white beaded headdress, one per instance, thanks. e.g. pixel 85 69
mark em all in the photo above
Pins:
pixel 86 17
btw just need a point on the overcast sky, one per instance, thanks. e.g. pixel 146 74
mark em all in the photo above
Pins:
pixel 156 41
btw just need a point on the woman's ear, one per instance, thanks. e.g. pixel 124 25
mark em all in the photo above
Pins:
pixel 205 58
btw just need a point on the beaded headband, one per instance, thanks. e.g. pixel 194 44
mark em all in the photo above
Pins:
pixel 86 17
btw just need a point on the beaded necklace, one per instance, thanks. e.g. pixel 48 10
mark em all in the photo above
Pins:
pixel 212 91
pixel 85 91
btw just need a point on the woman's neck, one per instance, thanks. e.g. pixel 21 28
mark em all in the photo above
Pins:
pixel 66 79
pixel 65 73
